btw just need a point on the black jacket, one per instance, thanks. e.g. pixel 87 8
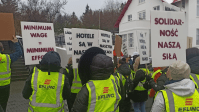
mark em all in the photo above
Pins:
pixel 49 63
pixel 135 95
pixel 100 68
pixel 194 64
pixel 160 81
pixel 70 75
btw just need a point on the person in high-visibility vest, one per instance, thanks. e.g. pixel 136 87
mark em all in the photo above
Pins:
pixel 75 83
pixel 5 71
pixel 99 92
pixel 192 56
pixel 46 87
pixel 123 73
pixel 139 87
pixel 180 94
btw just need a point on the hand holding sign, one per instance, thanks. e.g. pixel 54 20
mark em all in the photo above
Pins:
pixel 15 40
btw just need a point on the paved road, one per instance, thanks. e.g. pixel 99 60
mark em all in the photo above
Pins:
pixel 17 103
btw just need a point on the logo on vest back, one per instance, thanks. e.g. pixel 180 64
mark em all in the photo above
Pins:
pixel 1 61
pixel 105 96
pixel 185 109
pixel 188 101
pixel 105 89
pixel 47 82
pixel 47 85
pixel 0 58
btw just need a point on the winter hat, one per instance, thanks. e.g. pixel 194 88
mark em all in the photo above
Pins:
pixel 179 70
pixel 135 53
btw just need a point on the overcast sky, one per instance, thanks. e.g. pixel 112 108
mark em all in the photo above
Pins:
pixel 78 6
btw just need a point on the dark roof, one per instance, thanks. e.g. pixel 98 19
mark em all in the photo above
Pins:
pixel 123 12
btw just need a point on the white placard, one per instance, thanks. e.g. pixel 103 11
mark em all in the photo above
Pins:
pixel 38 38
pixel 124 45
pixel 68 40
pixel 64 56
pixel 105 42
pixel 82 40
pixel 143 42
pixel 168 37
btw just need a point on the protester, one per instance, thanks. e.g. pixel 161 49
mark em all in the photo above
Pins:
pixel 75 83
pixel 130 60
pixel 5 71
pixel 192 56
pixel 157 81
pixel 180 93
pixel 99 92
pixel 46 87
pixel 123 73
pixel 139 87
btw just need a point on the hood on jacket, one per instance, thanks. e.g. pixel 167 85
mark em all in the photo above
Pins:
pixel 50 62
pixel 85 62
pixel 124 69
pixel 185 87
pixel 194 64
pixel 101 67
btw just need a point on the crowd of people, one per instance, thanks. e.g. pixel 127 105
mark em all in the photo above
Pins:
pixel 97 85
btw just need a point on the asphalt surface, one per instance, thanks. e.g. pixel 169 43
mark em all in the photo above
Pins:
pixel 17 103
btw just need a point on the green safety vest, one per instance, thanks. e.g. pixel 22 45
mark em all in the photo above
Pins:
pixel 122 78
pixel 103 96
pixel 140 87
pixel 195 79
pixel 5 70
pixel 175 103
pixel 47 92
pixel 77 85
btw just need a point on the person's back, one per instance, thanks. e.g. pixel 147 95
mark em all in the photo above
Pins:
pixel 192 56
pixel 180 93
pixel 100 93
pixel 46 87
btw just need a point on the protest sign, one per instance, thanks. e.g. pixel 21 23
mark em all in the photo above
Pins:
pixel 143 42
pixel 118 44
pixel 168 37
pixel 38 39
pixel 124 45
pixel 64 56
pixel 68 40
pixel 105 42
pixel 82 40
pixel 7 29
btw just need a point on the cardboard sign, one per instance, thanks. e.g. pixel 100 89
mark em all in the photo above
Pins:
pixel 68 40
pixel 105 42
pixel 118 45
pixel 143 42
pixel 82 40
pixel 38 39
pixel 189 42
pixel 124 45
pixel 64 56
pixel 7 29
pixel 168 37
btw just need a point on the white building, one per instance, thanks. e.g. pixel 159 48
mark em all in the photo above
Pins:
pixel 191 7
pixel 136 16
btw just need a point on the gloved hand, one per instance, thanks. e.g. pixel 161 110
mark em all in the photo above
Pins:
pixel 148 78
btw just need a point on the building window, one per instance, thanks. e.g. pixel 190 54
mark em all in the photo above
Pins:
pixel 129 17
pixel 169 9
pixel 183 3
pixel 156 8
pixel 142 15
pixel 197 7
pixel 131 40
pixel 141 1
pixel 197 37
